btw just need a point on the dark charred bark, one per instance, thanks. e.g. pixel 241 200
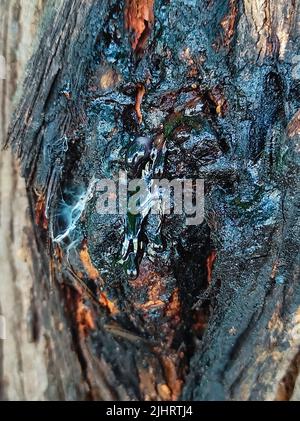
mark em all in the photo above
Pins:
pixel 214 311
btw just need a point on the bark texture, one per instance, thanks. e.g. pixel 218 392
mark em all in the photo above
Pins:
pixel 33 366
pixel 214 310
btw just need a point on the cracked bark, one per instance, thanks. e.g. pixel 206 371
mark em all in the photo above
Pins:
pixel 216 316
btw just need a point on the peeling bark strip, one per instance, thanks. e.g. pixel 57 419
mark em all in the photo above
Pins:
pixel 210 264
pixel 87 263
pixel 139 19
pixel 190 325
pixel 138 102
pixel 229 22
pixel 294 125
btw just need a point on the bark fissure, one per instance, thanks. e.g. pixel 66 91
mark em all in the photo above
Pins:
pixel 195 90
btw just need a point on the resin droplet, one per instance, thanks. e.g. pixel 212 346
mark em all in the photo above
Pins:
pixel 137 153
pixel 144 158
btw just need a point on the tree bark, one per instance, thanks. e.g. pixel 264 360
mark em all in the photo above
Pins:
pixel 215 314
pixel 33 366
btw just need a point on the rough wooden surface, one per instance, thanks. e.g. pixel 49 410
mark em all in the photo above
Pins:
pixel 35 365
pixel 217 316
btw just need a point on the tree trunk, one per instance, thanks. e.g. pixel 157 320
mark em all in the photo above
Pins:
pixel 33 365
pixel 201 312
